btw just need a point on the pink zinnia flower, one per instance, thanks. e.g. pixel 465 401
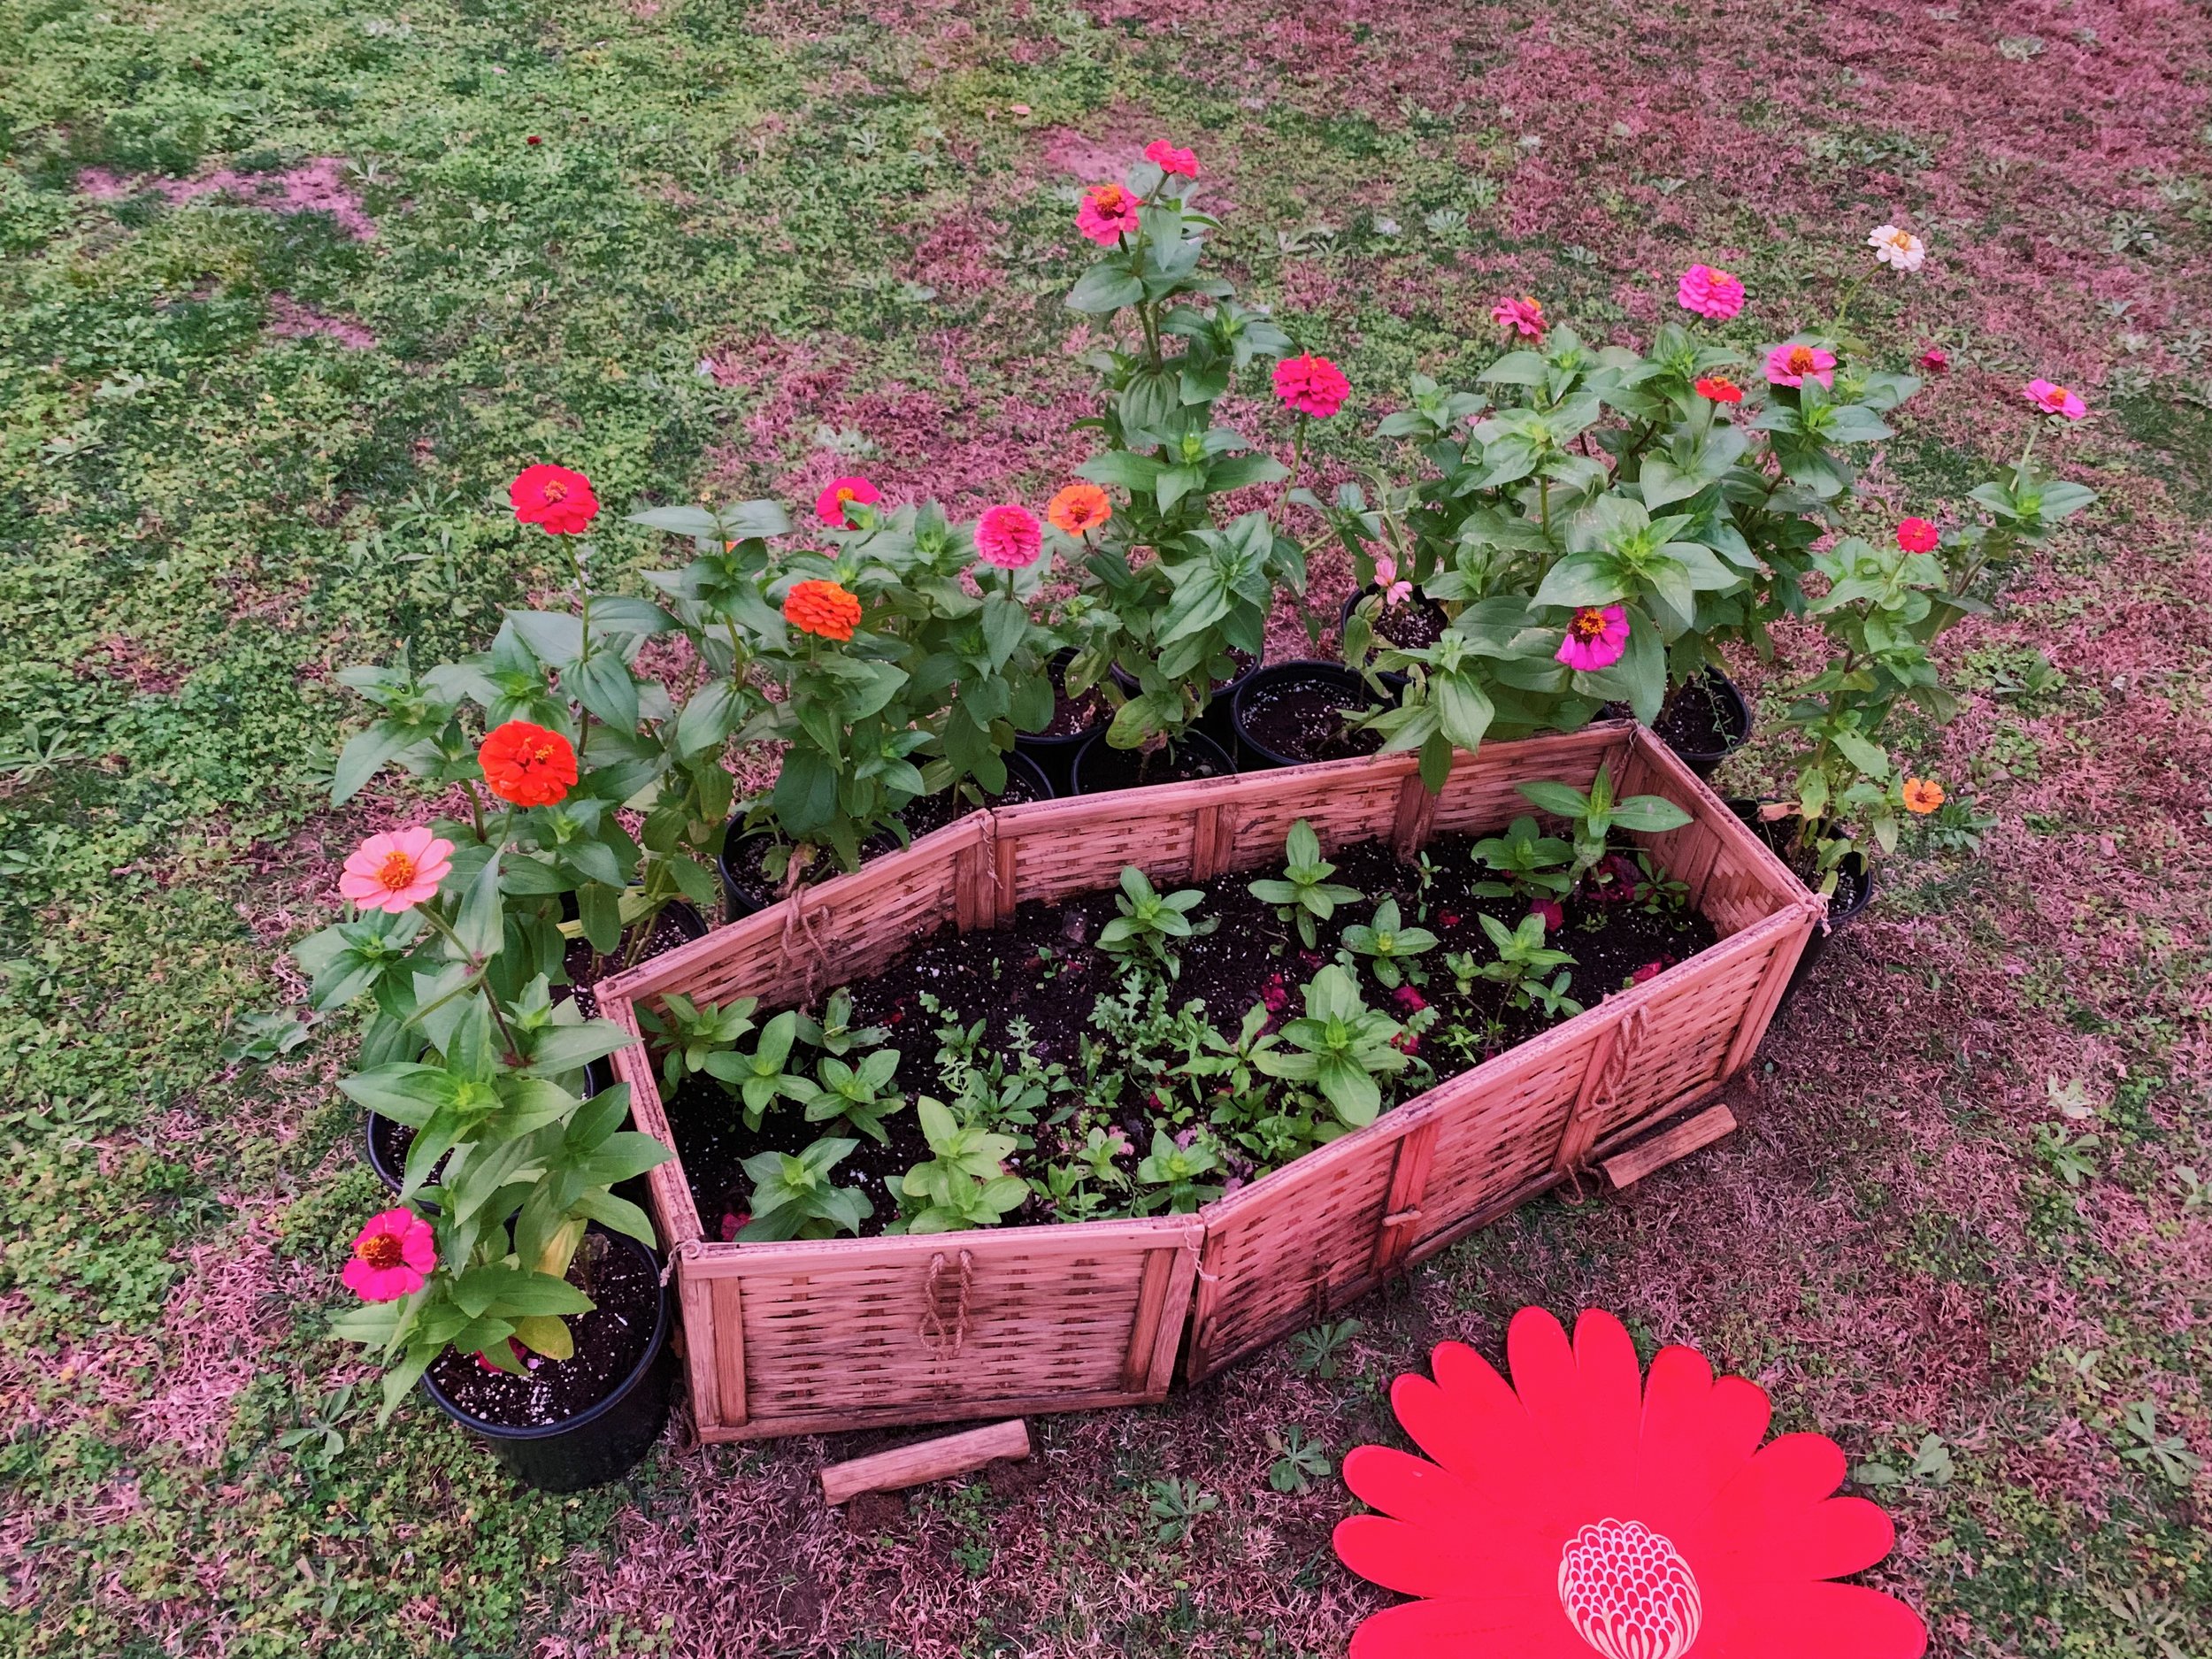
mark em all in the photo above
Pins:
pixel 2055 400
pixel 1715 294
pixel 1935 359
pixel 1554 917
pixel 1410 1000
pixel 1395 591
pixel 1311 385
pixel 1167 159
pixel 1008 537
pixel 1525 315
pixel 1793 366
pixel 1107 214
pixel 829 506
pixel 1917 535
pixel 396 871
pixel 1595 639
pixel 1649 970
pixel 392 1256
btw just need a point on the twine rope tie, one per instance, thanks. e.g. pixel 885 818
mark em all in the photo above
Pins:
pixel 936 1336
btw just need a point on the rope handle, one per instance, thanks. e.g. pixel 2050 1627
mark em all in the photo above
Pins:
pixel 937 1337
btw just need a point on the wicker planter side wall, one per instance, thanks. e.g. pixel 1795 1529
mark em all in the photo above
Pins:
pixel 853 1333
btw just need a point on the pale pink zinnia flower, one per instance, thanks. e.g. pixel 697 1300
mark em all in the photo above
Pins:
pixel 1107 213
pixel 1900 248
pixel 1715 294
pixel 1312 386
pixel 1393 589
pixel 1008 537
pixel 2055 400
pixel 1167 159
pixel 392 1256
pixel 1793 366
pixel 396 871
pixel 1596 638
pixel 1523 316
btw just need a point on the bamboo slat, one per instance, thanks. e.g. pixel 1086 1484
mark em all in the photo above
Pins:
pixel 833 1335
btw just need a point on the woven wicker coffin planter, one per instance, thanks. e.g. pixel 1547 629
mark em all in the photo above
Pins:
pixel 846 1334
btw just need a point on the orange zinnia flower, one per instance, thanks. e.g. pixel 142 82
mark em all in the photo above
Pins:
pixel 823 609
pixel 1922 796
pixel 527 764
pixel 1078 508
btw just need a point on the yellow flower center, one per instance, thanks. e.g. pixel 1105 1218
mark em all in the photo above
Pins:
pixel 380 1249
pixel 1109 198
pixel 846 494
pixel 2056 397
pixel 557 491
pixel 1587 625
pixel 396 874
pixel 1801 360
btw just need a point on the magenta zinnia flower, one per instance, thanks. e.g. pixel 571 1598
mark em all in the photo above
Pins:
pixel 1523 316
pixel 2055 400
pixel 396 871
pixel 1008 537
pixel 1167 159
pixel 1715 294
pixel 1311 385
pixel 1793 366
pixel 392 1256
pixel 1107 214
pixel 1595 639
pixel 830 505
pixel 1917 535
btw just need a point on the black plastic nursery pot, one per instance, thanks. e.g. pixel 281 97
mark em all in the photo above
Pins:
pixel 1705 722
pixel 745 891
pixel 1430 627
pixel 1052 751
pixel 1215 722
pixel 603 1442
pixel 1854 889
pixel 1288 714
pixel 1100 768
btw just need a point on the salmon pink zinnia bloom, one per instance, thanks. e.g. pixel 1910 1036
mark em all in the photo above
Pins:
pixel 1793 366
pixel 2055 400
pixel 1523 316
pixel 553 498
pixel 396 871
pixel 1917 535
pixel 829 506
pixel 1900 248
pixel 1585 1510
pixel 1008 537
pixel 392 1256
pixel 1167 159
pixel 1080 508
pixel 1107 214
pixel 1312 386
pixel 527 764
pixel 1720 389
pixel 1716 295
pixel 1922 796
pixel 1596 638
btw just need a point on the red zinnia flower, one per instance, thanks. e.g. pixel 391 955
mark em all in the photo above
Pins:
pixel 829 506
pixel 1311 385
pixel 527 764
pixel 1167 159
pixel 1582 1510
pixel 1720 388
pixel 1917 535
pixel 1554 917
pixel 554 498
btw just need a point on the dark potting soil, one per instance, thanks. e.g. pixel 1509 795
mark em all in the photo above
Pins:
pixel 1411 626
pixel 1106 768
pixel 1044 970
pixel 1073 716
pixel 1306 719
pixel 1699 717
pixel 610 1340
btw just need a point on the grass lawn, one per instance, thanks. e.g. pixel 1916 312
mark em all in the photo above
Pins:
pixel 291 291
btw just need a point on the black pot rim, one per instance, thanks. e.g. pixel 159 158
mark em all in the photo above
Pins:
pixel 1309 668
pixel 1190 735
pixel 599 1408
pixel 1747 808
pixel 1734 694
pixel 1056 665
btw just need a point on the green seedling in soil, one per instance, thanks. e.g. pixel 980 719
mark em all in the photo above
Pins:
pixel 964 1182
pixel 1391 945
pixel 1320 1351
pixel 1150 919
pixel 856 1095
pixel 758 1078
pixel 835 1033
pixel 1299 1461
pixel 793 1197
pixel 689 1033
pixel 1340 1046
pixel 1176 1506
pixel 1172 1171
pixel 2142 1444
pixel 1528 864
pixel 1593 816
pixel 1304 894
pixel 1522 957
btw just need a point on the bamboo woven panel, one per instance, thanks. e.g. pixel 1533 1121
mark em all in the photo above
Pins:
pixel 841 1333
pixel 1481 797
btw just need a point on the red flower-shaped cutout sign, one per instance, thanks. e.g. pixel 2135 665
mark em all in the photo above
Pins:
pixel 1584 1509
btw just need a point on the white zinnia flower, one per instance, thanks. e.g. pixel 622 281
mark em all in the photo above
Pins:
pixel 1900 248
